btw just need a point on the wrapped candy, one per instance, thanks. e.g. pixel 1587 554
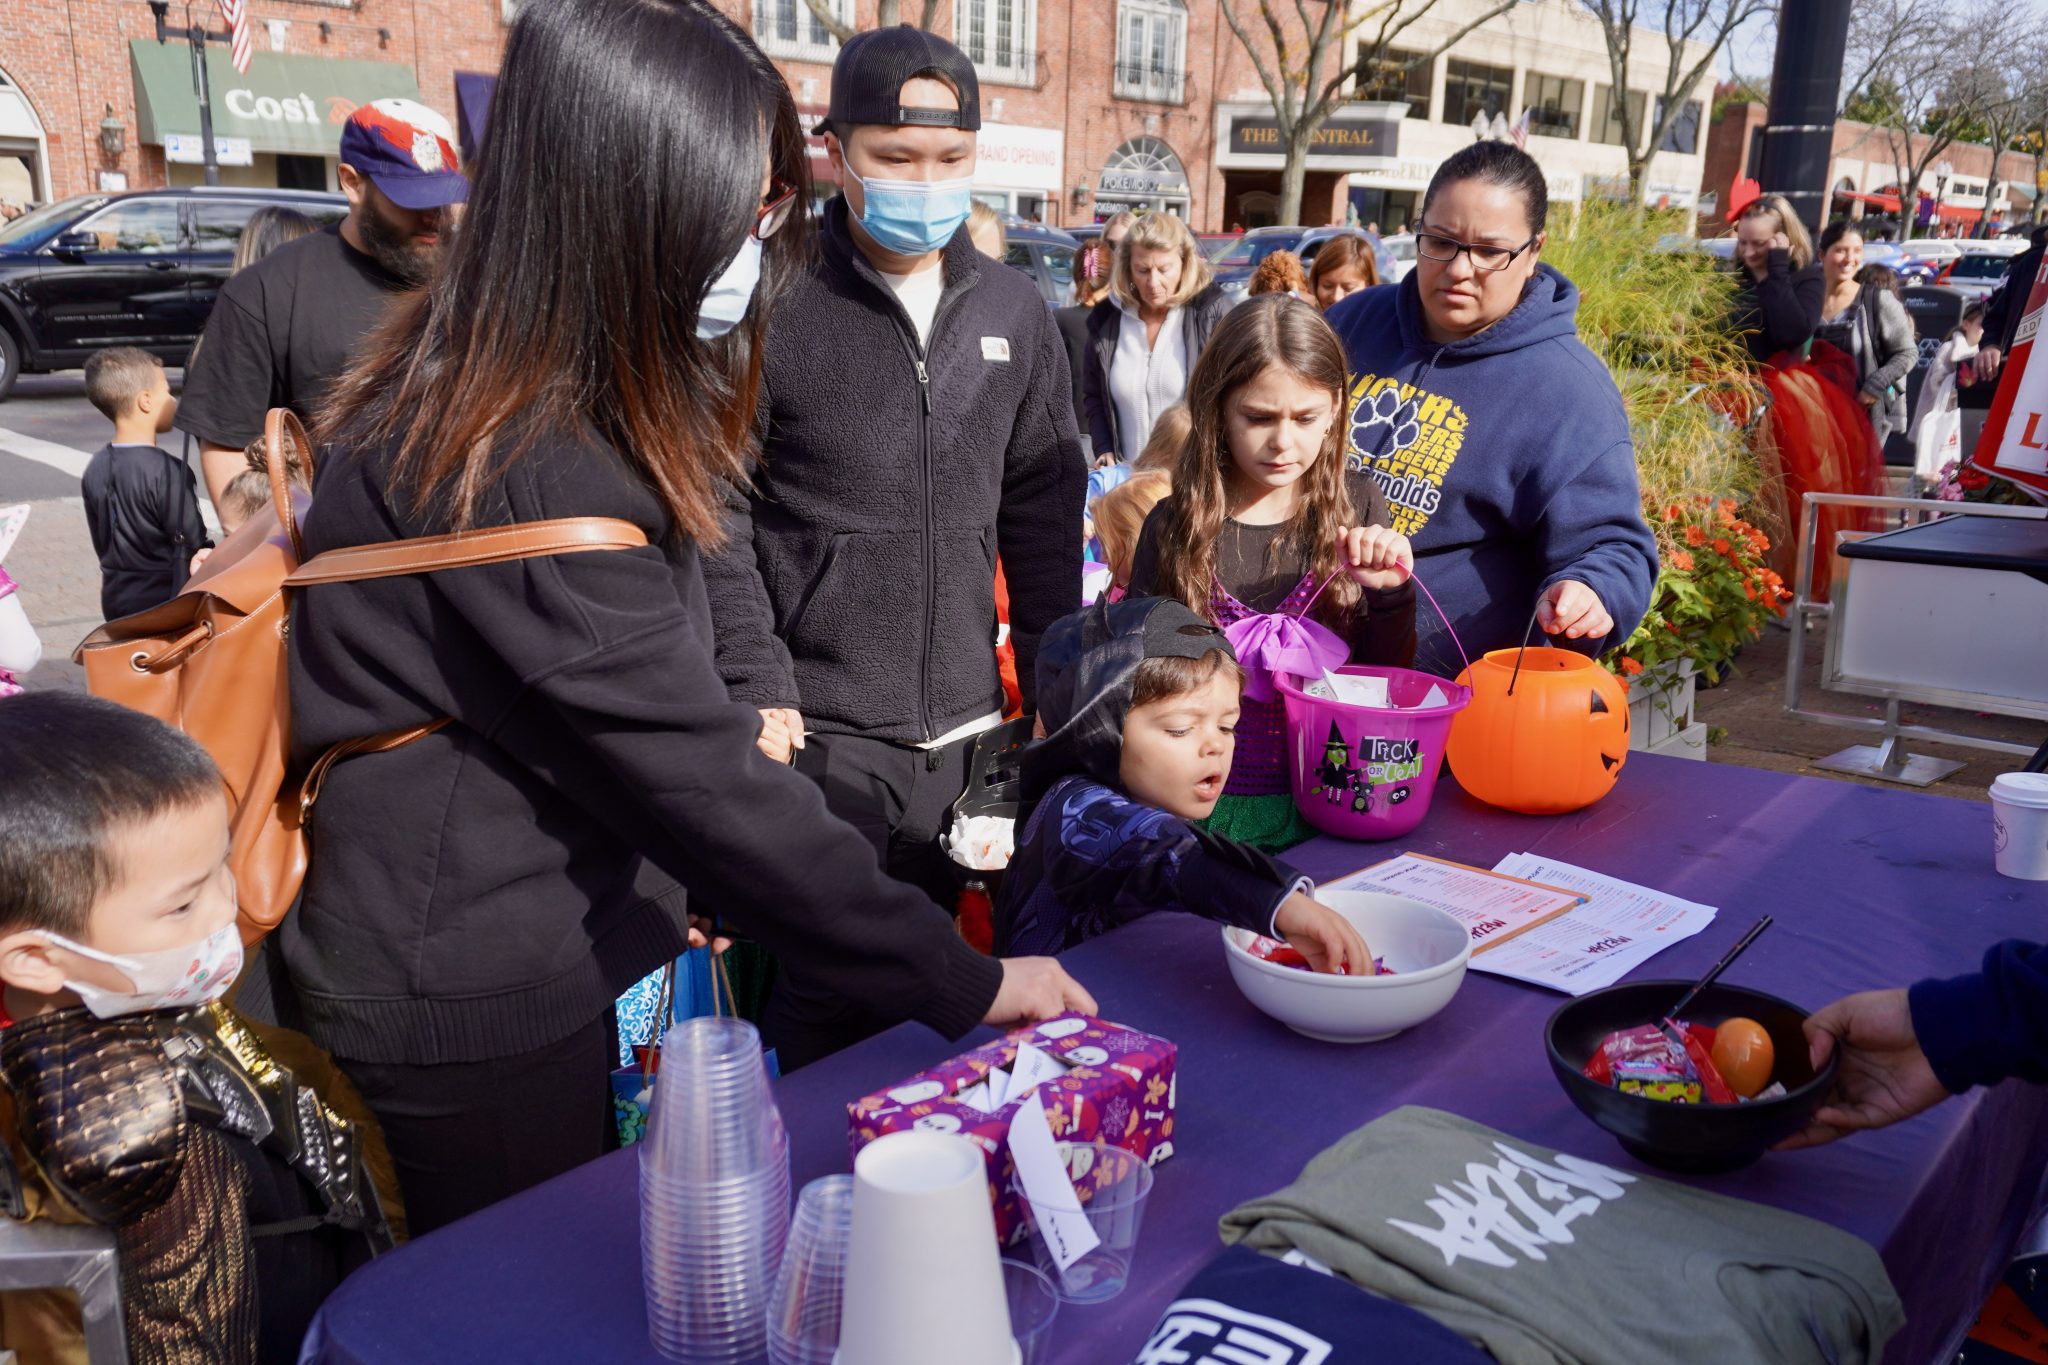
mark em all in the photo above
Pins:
pixel 1287 955
pixel 1647 1061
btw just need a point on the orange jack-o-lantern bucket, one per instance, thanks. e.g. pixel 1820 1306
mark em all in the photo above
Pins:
pixel 1546 731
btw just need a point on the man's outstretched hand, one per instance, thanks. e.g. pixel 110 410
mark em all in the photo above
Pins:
pixel 1885 1077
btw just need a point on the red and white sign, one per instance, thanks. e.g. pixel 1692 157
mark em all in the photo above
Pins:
pixel 1013 156
pixel 2014 445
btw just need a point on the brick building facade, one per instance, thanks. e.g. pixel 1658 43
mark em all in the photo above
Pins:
pixel 64 62
pixel 1088 106
pixel 1863 175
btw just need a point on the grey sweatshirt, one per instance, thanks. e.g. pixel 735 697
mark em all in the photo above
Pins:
pixel 1548 1259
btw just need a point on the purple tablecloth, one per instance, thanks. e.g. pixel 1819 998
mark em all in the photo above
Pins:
pixel 1870 888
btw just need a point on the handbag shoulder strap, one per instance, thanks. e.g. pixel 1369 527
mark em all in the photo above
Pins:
pixel 462 549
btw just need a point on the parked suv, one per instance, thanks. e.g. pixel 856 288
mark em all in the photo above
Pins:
pixel 137 269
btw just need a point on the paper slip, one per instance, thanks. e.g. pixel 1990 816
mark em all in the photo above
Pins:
pixel 1055 1207
pixel 1620 927
pixel 1357 690
pixel 1031 1069
pixel 1493 907
pixel 977 1097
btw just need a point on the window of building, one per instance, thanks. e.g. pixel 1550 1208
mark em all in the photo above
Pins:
pixel 144 226
pixel 1607 114
pixel 1553 103
pixel 1684 134
pixel 1397 74
pixel 1151 36
pixel 1471 89
pixel 789 28
pixel 998 36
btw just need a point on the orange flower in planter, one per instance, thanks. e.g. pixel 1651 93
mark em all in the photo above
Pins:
pixel 1631 667
pixel 1723 547
pixel 1682 561
pixel 1695 536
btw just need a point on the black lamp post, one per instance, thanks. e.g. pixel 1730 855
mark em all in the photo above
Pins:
pixel 197 36
pixel 1806 78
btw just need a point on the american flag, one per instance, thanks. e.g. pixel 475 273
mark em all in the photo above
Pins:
pixel 1520 132
pixel 235 14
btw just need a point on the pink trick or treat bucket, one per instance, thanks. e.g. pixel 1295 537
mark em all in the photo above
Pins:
pixel 1366 772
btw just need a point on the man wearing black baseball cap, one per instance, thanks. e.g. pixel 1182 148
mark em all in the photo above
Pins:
pixel 282 329
pixel 919 422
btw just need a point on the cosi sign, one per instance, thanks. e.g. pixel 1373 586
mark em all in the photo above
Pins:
pixel 1348 139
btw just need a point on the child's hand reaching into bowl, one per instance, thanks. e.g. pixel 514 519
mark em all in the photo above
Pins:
pixel 1324 937
pixel 1379 557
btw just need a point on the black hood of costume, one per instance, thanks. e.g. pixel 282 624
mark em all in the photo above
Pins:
pixel 1087 670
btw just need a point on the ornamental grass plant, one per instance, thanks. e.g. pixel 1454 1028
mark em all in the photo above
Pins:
pixel 1658 313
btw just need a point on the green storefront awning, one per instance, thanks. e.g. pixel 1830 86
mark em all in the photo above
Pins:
pixel 287 103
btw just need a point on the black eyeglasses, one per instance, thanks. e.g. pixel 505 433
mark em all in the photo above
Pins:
pixel 1437 247
pixel 777 206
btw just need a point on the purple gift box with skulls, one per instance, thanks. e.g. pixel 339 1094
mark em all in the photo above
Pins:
pixel 1118 1088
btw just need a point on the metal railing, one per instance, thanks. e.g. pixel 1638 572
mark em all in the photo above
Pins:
pixel 1144 81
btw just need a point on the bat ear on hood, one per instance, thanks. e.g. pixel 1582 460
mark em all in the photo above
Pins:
pixel 1087 668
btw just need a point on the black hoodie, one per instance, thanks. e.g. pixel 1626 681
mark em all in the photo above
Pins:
pixel 860 582
pixel 1089 857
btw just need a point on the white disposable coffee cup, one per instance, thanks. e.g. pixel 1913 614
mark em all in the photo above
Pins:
pixel 924 1278
pixel 2019 825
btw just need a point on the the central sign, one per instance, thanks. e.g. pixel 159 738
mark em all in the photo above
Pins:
pixel 1346 139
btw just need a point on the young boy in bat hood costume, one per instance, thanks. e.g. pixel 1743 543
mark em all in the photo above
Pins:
pixel 1138 700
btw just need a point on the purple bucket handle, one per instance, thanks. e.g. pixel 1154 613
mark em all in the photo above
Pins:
pixel 1449 629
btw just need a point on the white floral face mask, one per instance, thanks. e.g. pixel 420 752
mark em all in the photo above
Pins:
pixel 169 978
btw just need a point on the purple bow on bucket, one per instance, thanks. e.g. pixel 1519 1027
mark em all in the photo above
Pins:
pixel 1270 644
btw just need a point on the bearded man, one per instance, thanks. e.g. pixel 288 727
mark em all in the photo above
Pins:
pixel 282 329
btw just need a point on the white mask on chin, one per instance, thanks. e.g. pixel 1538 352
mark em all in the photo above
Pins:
pixel 730 295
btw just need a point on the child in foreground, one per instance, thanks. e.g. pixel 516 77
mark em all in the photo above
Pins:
pixel 141 501
pixel 1266 535
pixel 1139 700
pixel 237 1198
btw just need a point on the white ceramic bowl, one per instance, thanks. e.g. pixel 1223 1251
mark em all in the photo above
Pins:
pixel 1425 947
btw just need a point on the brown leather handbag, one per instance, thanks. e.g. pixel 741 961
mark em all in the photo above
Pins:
pixel 212 660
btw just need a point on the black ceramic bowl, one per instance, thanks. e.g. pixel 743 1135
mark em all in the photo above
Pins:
pixel 1687 1137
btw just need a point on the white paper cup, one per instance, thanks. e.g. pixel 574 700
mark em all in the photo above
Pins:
pixel 2019 825
pixel 924 1281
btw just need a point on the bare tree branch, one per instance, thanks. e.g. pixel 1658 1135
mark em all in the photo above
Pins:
pixel 1710 24
pixel 821 10
pixel 1259 62
pixel 1301 60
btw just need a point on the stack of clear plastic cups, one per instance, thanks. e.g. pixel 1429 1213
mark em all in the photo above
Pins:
pixel 714 1195
pixel 803 1320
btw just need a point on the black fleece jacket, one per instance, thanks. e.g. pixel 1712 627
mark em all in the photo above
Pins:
pixel 491 888
pixel 859 584
pixel 1779 312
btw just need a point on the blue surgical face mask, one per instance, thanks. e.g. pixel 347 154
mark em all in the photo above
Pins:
pixel 913 217
pixel 730 294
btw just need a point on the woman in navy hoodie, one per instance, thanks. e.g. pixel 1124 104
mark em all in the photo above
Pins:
pixel 1499 439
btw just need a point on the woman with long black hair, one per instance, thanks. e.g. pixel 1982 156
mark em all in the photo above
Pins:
pixel 589 348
